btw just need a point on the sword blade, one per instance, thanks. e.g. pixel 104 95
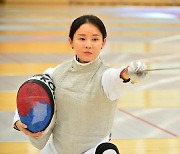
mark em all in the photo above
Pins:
pixel 162 69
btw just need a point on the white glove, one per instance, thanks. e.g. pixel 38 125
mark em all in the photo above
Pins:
pixel 137 71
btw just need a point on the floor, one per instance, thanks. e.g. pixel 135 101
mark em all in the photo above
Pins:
pixel 147 121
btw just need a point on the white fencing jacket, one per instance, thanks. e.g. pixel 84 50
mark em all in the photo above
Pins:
pixel 113 87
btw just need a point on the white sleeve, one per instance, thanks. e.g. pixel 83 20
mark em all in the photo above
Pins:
pixel 16 117
pixel 112 84
pixel 50 71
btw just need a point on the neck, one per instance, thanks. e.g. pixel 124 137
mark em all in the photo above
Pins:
pixel 81 61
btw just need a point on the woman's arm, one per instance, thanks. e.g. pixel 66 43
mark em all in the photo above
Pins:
pixel 115 82
pixel 38 139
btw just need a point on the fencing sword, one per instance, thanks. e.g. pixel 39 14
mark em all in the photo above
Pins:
pixel 162 69
pixel 137 70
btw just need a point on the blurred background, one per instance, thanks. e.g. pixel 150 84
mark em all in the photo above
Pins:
pixel 34 37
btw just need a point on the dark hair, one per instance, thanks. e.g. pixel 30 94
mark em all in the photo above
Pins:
pixel 87 19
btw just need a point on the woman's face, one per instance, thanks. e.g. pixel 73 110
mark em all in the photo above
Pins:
pixel 87 42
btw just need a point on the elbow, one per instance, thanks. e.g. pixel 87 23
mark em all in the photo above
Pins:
pixel 37 143
pixel 38 146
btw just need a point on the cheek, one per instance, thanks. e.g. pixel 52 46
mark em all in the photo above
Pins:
pixel 97 48
pixel 77 45
pixel 78 48
pixel 99 45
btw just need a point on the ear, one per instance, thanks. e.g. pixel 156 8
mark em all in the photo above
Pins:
pixel 70 42
pixel 104 42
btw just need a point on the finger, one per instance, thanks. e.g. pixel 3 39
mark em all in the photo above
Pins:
pixel 38 134
pixel 23 125
pixel 27 132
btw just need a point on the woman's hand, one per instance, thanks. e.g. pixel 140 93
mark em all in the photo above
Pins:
pixel 135 72
pixel 23 128
pixel 124 75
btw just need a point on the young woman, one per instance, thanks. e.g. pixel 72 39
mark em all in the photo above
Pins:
pixel 86 96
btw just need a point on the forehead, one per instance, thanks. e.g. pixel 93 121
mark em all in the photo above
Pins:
pixel 88 28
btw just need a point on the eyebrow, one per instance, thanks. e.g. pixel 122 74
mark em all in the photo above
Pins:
pixel 85 35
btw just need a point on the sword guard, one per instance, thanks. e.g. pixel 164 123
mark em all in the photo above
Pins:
pixel 137 71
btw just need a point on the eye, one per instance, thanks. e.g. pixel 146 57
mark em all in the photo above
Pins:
pixel 82 39
pixel 95 39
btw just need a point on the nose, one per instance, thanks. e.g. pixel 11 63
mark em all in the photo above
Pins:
pixel 88 45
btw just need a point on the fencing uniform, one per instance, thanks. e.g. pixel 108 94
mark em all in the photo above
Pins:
pixel 85 99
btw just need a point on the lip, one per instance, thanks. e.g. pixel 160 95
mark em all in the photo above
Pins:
pixel 87 53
